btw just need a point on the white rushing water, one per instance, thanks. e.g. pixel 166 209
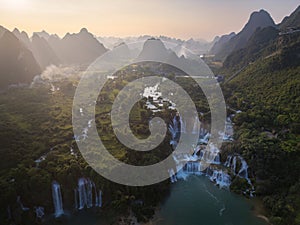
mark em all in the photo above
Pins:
pixel 205 153
pixel 57 199
pixel 87 195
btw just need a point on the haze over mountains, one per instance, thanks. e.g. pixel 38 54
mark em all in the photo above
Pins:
pixel 259 19
pixel 80 48
pixel 17 63
pixel 23 57
pixel 220 42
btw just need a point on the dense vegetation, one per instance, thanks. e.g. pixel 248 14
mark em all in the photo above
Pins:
pixel 267 131
pixel 36 122
pixel 33 121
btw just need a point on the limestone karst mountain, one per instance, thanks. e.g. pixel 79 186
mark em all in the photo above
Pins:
pixel 40 48
pixel 78 48
pixel 17 63
pixel 259 19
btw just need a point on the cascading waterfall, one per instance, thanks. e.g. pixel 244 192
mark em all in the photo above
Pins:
pixel 89 189
pixel 206 153
pixel 233 166
pixel 82 193
pixel 231 162
pixel 210 157
pixel 57 199
pixel 172 175
pixel 217 159
pixel 205 138
pixel 172 130
pixel 221 178
pixel 182 126
pixel 96 195
pixel 87 195
pixel 192 167
pixel 175 130
pixel 228 160
pixel 100 198
pixel 243 172
pixel 196 125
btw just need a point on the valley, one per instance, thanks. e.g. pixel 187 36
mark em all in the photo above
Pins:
pixel 232 145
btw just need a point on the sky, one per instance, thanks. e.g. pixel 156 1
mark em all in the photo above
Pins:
pixel 199 19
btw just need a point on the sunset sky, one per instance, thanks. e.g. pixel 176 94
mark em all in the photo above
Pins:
pixel 176 18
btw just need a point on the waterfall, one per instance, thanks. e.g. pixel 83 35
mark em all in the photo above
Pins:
pixel 196 150
pixel 175 130
pixel 88 196
pixel 228 161
pixel 233 166
pixel 39 212
pixel 76 198
pixel 192 167
pixel 21 204
pixel 202 131
pixel 96 195
pixel 84 133
pixel 243 171
pixel 172 130
pixel 182 126
pixel 220 178
pixel 231 163
pixel 210 157
pixel 172 175
pixel 57 199
pixel 90 123
pixel 205 138
pixel 100 198
pixel 176 124
pixel 82 193
pixel 196 125
pixel 217 159
pixel 192 164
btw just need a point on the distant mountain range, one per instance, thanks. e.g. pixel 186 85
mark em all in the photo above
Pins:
pixel 80 48
pixel 266 42
pixel 17 63
pixel 23 57
pixel 228 44
pixel 40 48
pixel 220 43
pixel 257 20
pixel 262 80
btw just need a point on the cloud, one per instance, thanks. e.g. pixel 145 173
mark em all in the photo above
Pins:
pixel 55 74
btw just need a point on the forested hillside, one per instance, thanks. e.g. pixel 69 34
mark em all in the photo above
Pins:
pixel 267 92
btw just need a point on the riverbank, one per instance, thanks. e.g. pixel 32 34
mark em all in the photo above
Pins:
pixel 259 209
pixel 197 199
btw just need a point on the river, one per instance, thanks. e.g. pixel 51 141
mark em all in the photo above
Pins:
pixel 197 201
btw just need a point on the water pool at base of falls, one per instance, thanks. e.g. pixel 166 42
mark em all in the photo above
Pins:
pixel 197 201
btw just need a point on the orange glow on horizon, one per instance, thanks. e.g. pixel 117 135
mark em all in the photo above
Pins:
pixel 174 18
